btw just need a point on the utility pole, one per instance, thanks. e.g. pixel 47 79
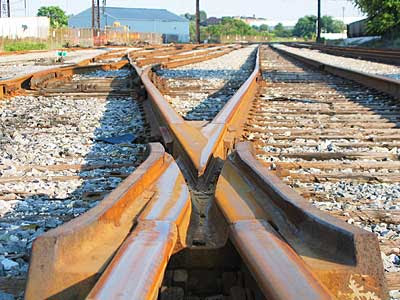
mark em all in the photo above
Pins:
pixel 319 22
pixel 8 9
pixel 198 21
pixel 96 14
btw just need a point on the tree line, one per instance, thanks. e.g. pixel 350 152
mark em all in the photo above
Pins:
pixel 305 27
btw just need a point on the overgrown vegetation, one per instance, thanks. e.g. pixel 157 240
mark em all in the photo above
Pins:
pixel 190 17
pixel 227 26
pixel 230 26
pixel 383 15
pixel 306 27
pixel 23 46
pixel 57 16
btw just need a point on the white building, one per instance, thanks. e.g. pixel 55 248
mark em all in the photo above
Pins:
pixel 24 27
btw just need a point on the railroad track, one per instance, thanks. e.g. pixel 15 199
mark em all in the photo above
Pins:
pixel 202 217
pixel 335 143
pixel 169 55
pixel 390 56
pixel 63 151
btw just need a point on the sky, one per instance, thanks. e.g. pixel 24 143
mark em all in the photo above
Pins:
pixel 273 10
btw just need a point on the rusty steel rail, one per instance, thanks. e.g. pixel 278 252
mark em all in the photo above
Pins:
pixel 42 79
pixel 120 249
pixel 201 145
pixel 306 253
pixel 184 56
pixel 154 200
pixel 148 52
pixel 201 55
pixel 10 87
pixel 380 83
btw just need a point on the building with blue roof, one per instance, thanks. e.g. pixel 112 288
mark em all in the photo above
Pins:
pixel 137 20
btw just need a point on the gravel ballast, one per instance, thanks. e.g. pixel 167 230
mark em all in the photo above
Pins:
pixel 202 89
pixel 58 159
pixel 12 66
pixel 335 143
pixel 360 65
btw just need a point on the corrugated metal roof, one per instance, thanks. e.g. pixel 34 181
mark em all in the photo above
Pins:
pixel 143 14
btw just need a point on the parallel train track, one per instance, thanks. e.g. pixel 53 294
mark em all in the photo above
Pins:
pixel 203 216
pixel 333 141
pixel 389 56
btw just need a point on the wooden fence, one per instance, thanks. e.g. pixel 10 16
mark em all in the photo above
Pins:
pixel 74 37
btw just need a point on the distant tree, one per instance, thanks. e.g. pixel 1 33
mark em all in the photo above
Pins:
pixel 57 16
pixel 305 27
pixel 231 26
pixel 338 26
pixel 383 15
pixel 281 31
pixel 192 30
pixel 190 17
pixel 279 27
pixel 332 26
pixel 203 16
pixel 264 27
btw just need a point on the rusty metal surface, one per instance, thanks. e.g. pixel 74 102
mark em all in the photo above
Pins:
pixel 13 86
pixel 66 261
pixel 279 271
pixel 202 144
pixel 336 253
pixel 120 248
pixel 137 269
pixel 380 83
pixel 177 55
pixel 182 60
pixel 41 79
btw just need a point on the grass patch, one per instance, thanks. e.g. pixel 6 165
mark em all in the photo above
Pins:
pixel 22 46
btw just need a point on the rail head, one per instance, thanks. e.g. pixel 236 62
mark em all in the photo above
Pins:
pixel 137 270
pixel 278 270
pixel 336 252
